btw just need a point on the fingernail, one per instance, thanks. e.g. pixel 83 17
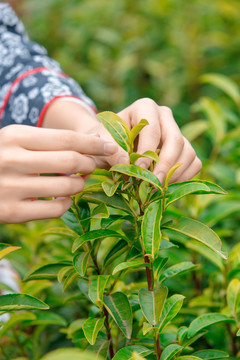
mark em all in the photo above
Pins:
pixel 161 177
pixel 110 148
pixel 123 160
pixel 143 165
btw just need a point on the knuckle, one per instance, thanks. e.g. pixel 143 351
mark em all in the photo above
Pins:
pixel 71 159
pixel 61 207
pixel 166 110
pixel 10 133
pixel 145 101
pixel 179 140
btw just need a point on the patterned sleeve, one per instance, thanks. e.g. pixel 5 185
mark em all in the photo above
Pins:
pixel 29 80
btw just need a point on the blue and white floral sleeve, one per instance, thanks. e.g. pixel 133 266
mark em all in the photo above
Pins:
pixel 29 79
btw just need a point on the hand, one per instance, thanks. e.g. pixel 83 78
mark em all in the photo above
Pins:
pixel 162 132
pixel 26 152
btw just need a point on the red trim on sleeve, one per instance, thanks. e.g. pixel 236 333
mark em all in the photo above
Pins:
pixel 19 79
pixel 46 106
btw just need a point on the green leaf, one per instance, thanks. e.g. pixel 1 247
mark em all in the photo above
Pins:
pixel 110 187
pixel 198 231
pixel 97 285
pixel 188 357
pixel 136 356
pixel 100 212
pixel 147 154
pixel 69 353
pixel 80 262
pixel 158 265
pixel 204 321
pixel 94 235
pixel 118 306
pixel 214 189
pixel 224 83
pixel 47 271
pixel 194 128
pixel 146 328
pixel 187 189
pixel 170 351
pixel 91 328
pixel 177 269
pixel 151 233
pixel 211 354
pixel 117 128
pixel 129 265
pixel 137 172
pixel 75 326
pixel 233 295
pixel 152 303
pixel 126 353
pixel 136 130
pixel 70 279
pixel 71 220
pixel 170 173
pixel 100 348
pixel 63 273
pixel 13 302
pixel 171 308
pixel 16 319
pixel 219 211
pixel 238 333
pixel 6 249
pixel 118 249
pixel 115 201
pixel 47 318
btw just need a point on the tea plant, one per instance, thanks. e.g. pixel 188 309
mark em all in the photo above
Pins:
pixel 122 229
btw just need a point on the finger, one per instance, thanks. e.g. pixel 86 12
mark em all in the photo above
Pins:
pixel 50 186
pixel 186 158
pixel 149 137
pixel 172 144
pixel 191 171
pixel 41 209
pixel 48 162
pixel 42 139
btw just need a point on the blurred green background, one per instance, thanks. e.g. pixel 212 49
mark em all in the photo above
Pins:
pixel 123 50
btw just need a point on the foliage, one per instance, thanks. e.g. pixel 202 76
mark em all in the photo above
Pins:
pixel 131 283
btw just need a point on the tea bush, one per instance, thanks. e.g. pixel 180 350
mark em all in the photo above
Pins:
pixel 116 292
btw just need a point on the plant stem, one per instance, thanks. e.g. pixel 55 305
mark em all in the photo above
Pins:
pixel 149 274
pixel 157 345
pixel 233 340
pixel 109 336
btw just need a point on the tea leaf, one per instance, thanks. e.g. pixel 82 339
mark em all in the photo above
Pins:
pixel 204 321
pixel 110 187
pixel 118 306
pixel 224 83
pixel 137 172
pixel 151 233
pixel 6 249
pixel 129 265
pixel 136 130
pixel 152 303
pixel 71 220
pixel 214 189
pixel 115 201
pixel 100 348
pixel 13 302
pixel 188 357
pixel 146 328
pixel 147 154
pixel 94 235
pixel 118 249
pixel 187 189
pixel 198 231
pixel 47 271
pixel 100 212
pixel 171 307
pixel 170 351
pixel 91 328
pixel 69 353
pixel 117 128
pixel 126 353
pixel 80 262
pixel 211 354
pixel 177 269
pixel 233 295
pixel 170 173
pixel 97 284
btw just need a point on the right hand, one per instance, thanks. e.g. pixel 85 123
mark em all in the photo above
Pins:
pixel 26 152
